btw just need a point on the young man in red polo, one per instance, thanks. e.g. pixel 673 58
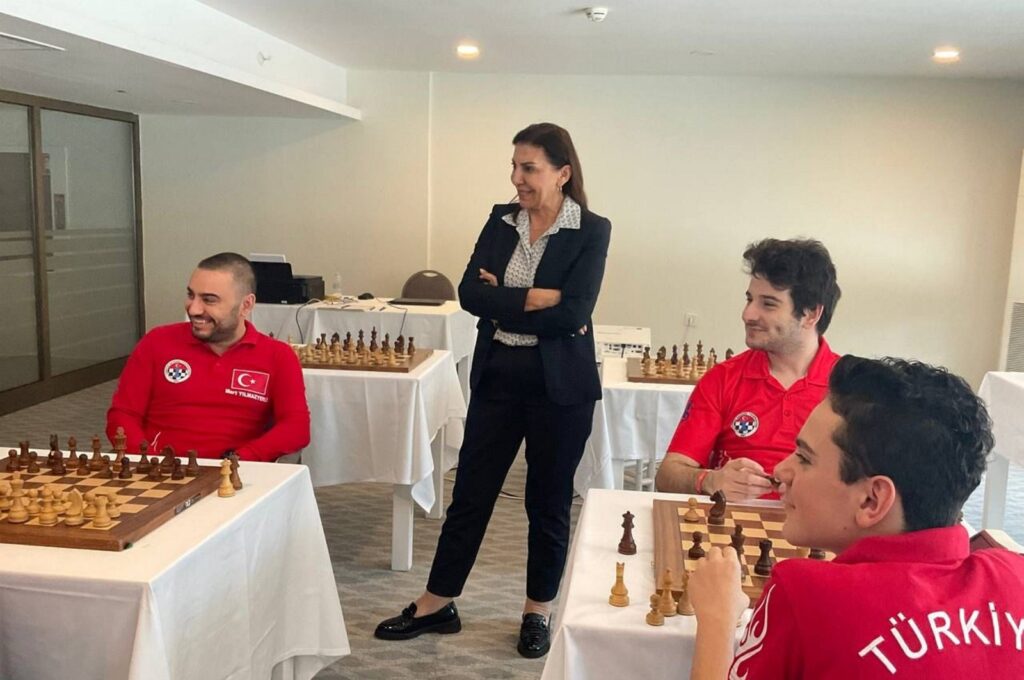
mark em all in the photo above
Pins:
pixel 744 414
pixel 214 383
pixel 881 470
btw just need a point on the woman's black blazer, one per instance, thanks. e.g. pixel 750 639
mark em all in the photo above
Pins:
pixel 573 263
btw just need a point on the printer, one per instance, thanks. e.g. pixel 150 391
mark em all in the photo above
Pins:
pixel 275 283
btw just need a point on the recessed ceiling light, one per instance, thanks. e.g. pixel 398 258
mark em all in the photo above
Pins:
pixel 467 51
pixel 946 55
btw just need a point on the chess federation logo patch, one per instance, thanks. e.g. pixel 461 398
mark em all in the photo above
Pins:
pixel 745 424
pixel 177 371
pixel 255 382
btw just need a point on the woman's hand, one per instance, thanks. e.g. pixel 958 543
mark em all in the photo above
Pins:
pixel 541 298
pixel 488 278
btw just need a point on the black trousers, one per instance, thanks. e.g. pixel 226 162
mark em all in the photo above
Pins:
pixel 508 405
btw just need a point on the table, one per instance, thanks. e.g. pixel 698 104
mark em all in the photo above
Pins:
pixel 632 422
pixel 1003 393
pixel 238 587
pixel 446 326
pixel 592 639
pixel 388 427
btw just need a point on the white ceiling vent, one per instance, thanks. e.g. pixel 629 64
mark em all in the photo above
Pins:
pixel 10 42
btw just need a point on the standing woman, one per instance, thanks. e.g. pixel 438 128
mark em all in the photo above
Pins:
pixel 533 280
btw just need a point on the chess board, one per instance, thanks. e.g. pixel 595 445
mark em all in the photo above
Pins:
pixel 404 363
pixel 144 505
pixel 673 538
pixel 635 373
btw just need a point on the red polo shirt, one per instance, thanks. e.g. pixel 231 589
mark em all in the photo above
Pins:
pixel 916 605
pixel 738 410
pixel 176 391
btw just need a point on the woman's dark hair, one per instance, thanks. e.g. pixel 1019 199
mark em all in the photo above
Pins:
pixel 559 150
pixel 918 425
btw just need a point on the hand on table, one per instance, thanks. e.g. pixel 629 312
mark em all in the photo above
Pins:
pixel 741 479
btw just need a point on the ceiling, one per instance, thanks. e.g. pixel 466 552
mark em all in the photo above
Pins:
pixel 693 37
pixel 696 37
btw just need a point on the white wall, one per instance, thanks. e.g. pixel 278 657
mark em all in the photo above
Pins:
pixel 911 184
pixel 333 195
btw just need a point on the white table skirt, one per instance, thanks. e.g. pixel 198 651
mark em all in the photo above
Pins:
pixel 633 421
pixel 377 427
pixel 239 588
pixel 1003 393
pixel 596 641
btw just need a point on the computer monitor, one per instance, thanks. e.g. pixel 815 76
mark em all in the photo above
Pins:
pixel 267 257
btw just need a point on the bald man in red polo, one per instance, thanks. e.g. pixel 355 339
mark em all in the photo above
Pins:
pixel 214 383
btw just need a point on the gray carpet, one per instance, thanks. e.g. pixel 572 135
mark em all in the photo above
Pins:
pixel 357 523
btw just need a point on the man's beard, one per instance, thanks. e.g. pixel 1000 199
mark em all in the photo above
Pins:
pixel 219 330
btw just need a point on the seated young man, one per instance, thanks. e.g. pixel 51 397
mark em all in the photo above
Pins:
pixel 880 472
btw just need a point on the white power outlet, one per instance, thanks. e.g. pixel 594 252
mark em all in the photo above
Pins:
pixel 691 320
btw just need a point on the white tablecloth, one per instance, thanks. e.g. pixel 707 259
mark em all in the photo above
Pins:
pixel 1004 395
pixel 596 641
pixel 237 588
pixel 633 421
pixel 403 429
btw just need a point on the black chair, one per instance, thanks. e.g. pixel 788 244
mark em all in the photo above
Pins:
pixel 429 284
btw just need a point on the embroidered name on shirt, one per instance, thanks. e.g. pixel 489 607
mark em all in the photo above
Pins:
pixel 913 642
pixel 249 384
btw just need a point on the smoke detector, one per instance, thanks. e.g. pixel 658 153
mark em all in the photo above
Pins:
pixel 597 14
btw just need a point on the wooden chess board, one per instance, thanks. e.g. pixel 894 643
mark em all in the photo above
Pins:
pixel 404 363
pixel 673 538
pixel 144 505
pixel 635 373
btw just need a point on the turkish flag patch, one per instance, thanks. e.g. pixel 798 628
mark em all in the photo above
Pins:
pixel 250 381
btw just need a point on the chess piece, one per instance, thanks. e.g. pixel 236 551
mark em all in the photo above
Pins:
pixel 620 595
pixel 73 516
pixel 646 358
pixel 48 514
pixel 225 490
pixel 654 617
pixel 96 462
pixel 412 347
pixel 716 515
pixel 83 465
pixel 72 453
pixel 236 481
pixel 675 354
pixel 90 505
pixel 33 463
pixel 120 442
pixel 114 508
pixel 105 472
pixel 696 551
pixel 817 554
pixel 143 466
pixel 667 605
pixel 23 456
pixel 765 562
pixel 58 467
pixel 691 515
pixel 360 345
pixel 177 472
pixel 102 518
pixel 18 513
pixel 33 504
pixel 156 474
pixel 685 606
pixel 5 496
pixel 12 461
pixel 126 469
pixel 192 469
pixel 729 354
pixel 167 464
pixel 803 552
pixel 627 546
pixel 737 541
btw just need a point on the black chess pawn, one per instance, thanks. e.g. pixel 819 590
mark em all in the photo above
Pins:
pixel 72 453
pixel 12 461
pixel 412 346
pixel 765 562
pixel 696 551
pixel 155 473
pixel 33 463
pixel 126 469
pixel 177 472
pixel 83 465
pixel 58 467
pixel 143 467
pixel 105 471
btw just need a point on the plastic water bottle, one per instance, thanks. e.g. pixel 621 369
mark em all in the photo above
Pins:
pixel 336 285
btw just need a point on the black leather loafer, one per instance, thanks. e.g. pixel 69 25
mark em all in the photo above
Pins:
pixel 406 626
pixel 534 636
